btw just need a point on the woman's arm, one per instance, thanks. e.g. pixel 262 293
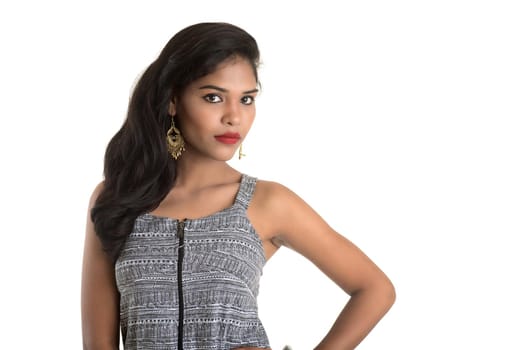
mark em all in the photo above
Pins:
pixel 100 298
pixel 371 292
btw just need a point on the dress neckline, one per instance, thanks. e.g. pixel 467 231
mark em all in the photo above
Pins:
pixel 243 182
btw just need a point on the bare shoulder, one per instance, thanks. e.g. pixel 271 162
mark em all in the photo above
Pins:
pixel 273 193
pixel 275 199
pixel 92 242
pixel 270 208
pixel 279 207
pixel 96 192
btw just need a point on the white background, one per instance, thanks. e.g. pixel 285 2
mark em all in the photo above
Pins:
pixel 400 122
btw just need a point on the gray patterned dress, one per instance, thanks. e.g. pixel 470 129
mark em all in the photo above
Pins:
pixel 192 284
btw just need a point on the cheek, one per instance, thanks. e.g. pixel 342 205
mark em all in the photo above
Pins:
pixel 252 116
pixel 199 125
pixel 195 117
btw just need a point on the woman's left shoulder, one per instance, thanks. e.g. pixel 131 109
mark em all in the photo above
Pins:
pixel 273 207
pixel 272 190
pixel 276 197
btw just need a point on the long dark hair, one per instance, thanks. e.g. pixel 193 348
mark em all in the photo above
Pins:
pixel 138 170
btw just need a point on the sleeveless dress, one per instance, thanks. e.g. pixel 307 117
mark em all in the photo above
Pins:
pixel 192 284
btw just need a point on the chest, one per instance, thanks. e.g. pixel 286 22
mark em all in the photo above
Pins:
pixel 224 246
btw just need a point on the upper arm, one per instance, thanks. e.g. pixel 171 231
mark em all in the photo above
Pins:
pixel 100 297
pixel 300 228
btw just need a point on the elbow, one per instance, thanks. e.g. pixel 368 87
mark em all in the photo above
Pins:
pixel 387 293
pixel 381 291
pixel 391 293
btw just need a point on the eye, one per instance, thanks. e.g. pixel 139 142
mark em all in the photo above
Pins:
pixel 247 100
pixel 213 98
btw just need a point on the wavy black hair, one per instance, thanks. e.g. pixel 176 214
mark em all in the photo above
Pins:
pixel 138 170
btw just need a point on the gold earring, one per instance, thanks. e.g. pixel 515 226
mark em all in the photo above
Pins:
pixel 175 141
pixel 240 154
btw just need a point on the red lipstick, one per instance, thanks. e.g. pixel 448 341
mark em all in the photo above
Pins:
pixel 228 138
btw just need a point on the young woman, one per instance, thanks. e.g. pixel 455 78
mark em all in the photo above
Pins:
pixel 176 239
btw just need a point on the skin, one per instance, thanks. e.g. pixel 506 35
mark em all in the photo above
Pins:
pixel 220 102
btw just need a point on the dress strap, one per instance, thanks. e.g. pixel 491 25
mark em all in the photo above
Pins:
pixel 246 190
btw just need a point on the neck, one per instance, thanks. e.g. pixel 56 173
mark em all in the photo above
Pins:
pixel 195 173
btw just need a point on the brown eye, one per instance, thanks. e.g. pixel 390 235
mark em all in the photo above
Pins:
pixel 248 100
pixel 213 98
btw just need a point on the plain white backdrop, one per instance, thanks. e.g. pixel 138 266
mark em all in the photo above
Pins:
pixel 400 122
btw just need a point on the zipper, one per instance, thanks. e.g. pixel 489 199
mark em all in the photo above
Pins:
pixel 180 235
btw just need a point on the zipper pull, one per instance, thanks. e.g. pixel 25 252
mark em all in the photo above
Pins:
pixel 180 229
pixel 180 233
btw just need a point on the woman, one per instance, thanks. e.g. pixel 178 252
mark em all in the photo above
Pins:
pixel 176 238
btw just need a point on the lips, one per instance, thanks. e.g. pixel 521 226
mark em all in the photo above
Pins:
pixel 228 138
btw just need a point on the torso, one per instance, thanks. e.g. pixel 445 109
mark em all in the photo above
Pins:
pixel 206 249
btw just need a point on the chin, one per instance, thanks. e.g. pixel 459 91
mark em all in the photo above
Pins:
pixel 227 159
pixel 223 157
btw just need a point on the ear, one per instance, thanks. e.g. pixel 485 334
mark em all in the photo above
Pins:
pixel 172 108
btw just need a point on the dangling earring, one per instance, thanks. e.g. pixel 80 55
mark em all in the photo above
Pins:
pixel 240 154
pixel 175 141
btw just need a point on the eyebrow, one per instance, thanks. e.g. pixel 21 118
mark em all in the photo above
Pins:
pixel 214 87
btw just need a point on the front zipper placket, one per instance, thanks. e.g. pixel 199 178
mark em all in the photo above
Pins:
pixel 180 235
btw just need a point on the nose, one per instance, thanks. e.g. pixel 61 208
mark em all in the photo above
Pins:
pixel 232 113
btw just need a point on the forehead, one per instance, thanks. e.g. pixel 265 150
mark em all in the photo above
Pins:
pixel 233 74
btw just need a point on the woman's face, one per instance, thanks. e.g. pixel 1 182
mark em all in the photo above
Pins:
pixel 215 112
